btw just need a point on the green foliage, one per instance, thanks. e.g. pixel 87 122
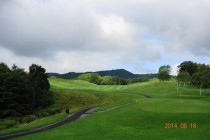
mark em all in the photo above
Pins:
pixel 197 74
pixel 137 80
pixel 90 77
pixel 164 73
pixel 7 123
pixel 149 75
pixel 23 93
pixel 202 77
pixel 105 80
pixel 119 81
pixel 184 77
pixel 188 66
pixel 28 118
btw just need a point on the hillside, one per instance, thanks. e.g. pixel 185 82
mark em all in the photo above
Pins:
pixel 122 73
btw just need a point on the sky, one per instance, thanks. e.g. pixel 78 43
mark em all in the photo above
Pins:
pixel 91 35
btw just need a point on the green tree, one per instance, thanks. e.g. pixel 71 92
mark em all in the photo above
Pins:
pixel 138 80
pixel 202 77
pixel 188 66
pixel 164 73
pixel 107 80
pixel 22 90
pixel 184 77
pixel 22 93
pixel 5 96
pixel 38 78
pixel 90 77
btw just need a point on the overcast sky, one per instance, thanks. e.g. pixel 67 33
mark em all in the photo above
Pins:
pixel 91 35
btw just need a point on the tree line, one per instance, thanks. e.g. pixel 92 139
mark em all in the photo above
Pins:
pixel 109 80
pixel 21 92
pixel 188 73
pixel 194 73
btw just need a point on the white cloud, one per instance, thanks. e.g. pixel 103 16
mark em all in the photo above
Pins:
pixel 68 35
pixel 174 69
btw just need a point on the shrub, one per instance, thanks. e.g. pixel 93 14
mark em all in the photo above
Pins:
pixel 42 113
pixel 28 118
pixel 138 80
pixel 52 111
pixel 2 127
pixel 7 123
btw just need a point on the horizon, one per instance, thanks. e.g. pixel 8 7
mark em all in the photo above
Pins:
pixel 103 70
pixel 90 35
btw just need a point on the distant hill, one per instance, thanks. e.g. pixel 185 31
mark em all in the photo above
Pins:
pixel 122 73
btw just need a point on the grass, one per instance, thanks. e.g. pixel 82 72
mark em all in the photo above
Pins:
pixel 35 124
pixel 72 99
pixel 142 118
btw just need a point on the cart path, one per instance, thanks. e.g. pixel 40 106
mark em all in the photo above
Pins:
pixel 51 126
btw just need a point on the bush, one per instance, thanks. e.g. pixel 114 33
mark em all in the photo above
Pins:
pixel 137 80
pixel 90 77
pixel 9 113
pixel 42 113
pixel 107 80
pixel 28 118
pixel 2 127
pixel 7 123
pixel 52 111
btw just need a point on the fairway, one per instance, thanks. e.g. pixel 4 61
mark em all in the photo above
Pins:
pixel 168 114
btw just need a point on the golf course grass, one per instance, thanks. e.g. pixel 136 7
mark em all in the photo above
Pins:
pixel 126 114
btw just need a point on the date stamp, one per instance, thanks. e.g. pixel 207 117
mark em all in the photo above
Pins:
pixel 180 125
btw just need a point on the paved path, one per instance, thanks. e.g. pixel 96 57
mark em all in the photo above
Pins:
pixel 36 130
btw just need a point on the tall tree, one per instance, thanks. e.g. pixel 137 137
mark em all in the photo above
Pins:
pixel 22 93
pixel 22 90
pixel 184 77
pixel 188 66
pixel 38 78
pixel 202 77
pixel 164 73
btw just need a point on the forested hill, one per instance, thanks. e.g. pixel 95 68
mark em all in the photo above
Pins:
pixel 122 73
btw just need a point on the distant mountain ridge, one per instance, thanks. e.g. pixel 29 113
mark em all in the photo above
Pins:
pixel 122 73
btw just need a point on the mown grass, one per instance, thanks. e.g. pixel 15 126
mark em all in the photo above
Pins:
pixel 65 98
pixel 142 118
pixel 35 124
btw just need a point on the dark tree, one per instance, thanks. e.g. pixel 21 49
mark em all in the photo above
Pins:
pixel 202 77
pixel 38 78
pixel 164 73
pixel 23 93
pixel 188 66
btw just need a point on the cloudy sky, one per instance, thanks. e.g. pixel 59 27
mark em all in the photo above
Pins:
pixel 91 35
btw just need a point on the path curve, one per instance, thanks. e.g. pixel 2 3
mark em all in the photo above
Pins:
pixel 47 127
